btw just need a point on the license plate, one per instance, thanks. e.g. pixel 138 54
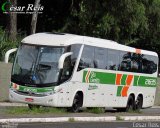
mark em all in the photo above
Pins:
pixel 29 99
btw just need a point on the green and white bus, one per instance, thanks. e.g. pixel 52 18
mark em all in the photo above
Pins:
pixel 72 71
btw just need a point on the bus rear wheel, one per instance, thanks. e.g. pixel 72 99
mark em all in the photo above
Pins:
pixel 31 106
pixel 139 103
pixel 130 105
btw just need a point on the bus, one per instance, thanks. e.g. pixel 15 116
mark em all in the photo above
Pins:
pixel 73 71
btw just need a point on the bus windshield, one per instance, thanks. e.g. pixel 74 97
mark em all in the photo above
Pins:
pixel 36 65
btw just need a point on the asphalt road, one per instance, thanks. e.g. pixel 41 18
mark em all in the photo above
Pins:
pixel 85 125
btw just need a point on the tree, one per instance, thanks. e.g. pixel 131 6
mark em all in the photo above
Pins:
pixel 34 18
pixel 13 23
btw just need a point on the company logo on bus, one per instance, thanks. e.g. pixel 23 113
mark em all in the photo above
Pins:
pixel 93 78
pixel 150 82
pixel 30 91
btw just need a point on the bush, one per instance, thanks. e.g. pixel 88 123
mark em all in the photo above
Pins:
pixel 6 44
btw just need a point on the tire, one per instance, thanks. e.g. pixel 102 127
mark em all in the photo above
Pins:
pixel 139 103
pixel 130 105
pixel 31 106
pixel 76 104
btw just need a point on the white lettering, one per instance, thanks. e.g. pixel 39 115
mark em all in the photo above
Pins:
pixel 150 82
pixel 139 125
pixel 30 7
pixel 17 8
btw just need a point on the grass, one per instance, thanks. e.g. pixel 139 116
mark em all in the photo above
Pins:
pixel 42 110
pixel 46 110
pixel 135 111
pixel 118 118
pixel 95 110
pixel 71 120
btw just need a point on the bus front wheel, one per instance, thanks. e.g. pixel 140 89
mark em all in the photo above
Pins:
pixel 76 104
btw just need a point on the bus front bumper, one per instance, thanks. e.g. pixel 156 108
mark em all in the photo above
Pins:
pixel 50 100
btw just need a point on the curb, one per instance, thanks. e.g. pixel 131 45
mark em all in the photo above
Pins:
pixel 155 107
pixel 140 118
pixel 10 104
pixel 83 119
pixel 58 119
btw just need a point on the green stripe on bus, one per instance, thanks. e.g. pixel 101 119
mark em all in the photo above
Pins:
pixel 123 80
pixel 84 75
pixel 34 89
pixel 135 83
pixel 147 81
pixel 119 90
pixel 100 77
pixel 110 78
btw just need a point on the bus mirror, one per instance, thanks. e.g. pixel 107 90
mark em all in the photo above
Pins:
pixel 62 58
pixel 8 53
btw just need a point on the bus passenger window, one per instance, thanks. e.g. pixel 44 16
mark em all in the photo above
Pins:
pixel 136 64
pixel 70 62
pixel 87 58
pixel 125 61
pixel 149 64
pixel 67 69
pixel 75 48
pixel 113 59
pixel 100 58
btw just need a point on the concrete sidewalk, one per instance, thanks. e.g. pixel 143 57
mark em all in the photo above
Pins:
pixel 83 119
pixel 10 104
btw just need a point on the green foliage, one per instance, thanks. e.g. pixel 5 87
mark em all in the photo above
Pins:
pixel 6 44
pixel 71 119
pixel 96 110
pixel 130 22
pixel 118 118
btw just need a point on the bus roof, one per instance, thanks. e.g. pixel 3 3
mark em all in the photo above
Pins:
pixel 60 39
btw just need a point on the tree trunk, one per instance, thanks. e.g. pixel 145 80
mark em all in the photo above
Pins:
pixel 13 23
pixel 34 18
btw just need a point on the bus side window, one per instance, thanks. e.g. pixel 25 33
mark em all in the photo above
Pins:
pixel 125 61
pixel 100 58
pixel 136 64
pixel 70 61
pixel 113 59
pixel 149 64
pixel 67 69
pixel 75 48
pixel 87 58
